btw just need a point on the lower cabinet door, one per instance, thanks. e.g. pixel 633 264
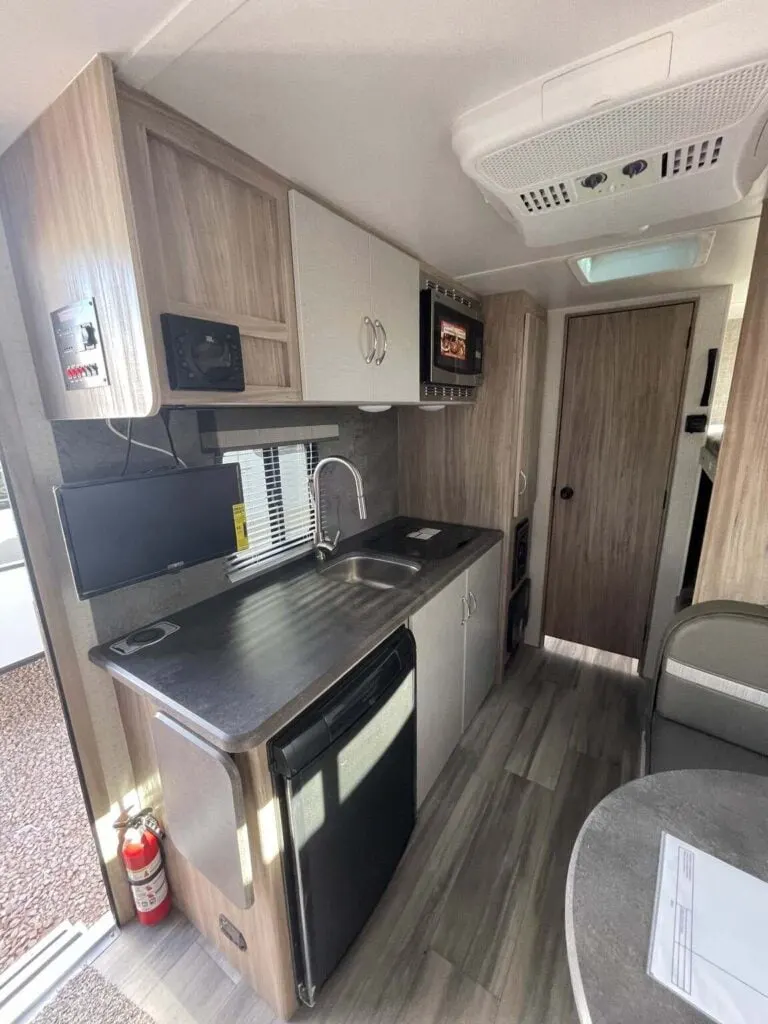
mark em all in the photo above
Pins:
pixel 482 630
pixel 439 635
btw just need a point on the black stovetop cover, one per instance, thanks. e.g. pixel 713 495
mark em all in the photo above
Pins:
pixel 417 538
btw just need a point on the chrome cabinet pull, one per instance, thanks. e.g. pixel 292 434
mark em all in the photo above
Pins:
pixel 464 611
pixel 379 325
pixel 374 339
pixel 524 479
pixel 472 601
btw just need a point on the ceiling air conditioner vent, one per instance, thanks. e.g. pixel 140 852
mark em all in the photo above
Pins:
pixel 635 160
pixel 691 111
pixel 694 157
pixel 548 197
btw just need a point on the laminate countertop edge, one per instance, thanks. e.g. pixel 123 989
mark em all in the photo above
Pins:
pixel 256 728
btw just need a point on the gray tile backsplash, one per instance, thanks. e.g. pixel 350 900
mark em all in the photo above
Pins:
pixel 370 441
pixel 88 450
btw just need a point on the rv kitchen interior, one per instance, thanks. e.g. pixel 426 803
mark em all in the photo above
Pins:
pixel 384 512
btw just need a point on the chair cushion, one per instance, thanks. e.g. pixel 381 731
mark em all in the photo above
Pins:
pixel 714 673
pixel 674 746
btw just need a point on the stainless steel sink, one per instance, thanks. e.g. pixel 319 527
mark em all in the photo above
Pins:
pixel 382 572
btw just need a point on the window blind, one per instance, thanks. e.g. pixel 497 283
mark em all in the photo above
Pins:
pixel 279 513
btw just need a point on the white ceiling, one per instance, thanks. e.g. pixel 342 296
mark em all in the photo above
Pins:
pixel 354 99
pixel 351 99
pixel 46 43
pixel 555 286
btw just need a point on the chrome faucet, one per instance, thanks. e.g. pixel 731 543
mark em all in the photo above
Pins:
pixel 324 546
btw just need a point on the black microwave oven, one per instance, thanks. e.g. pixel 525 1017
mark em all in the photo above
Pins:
pixel 451 338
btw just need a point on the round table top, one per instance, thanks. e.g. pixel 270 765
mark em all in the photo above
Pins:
pixel 612 883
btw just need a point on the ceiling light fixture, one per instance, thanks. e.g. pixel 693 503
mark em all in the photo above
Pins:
pixel 681 252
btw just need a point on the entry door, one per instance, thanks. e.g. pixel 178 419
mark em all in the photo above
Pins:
pixel 622 388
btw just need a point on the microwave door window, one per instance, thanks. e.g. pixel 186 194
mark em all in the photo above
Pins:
pixel 453 340
pixel 452 345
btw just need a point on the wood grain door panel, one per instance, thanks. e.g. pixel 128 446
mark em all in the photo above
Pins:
pixel 218 234
pixel 622 388
pixel 734 561
pixel 530 396
pixel 214 234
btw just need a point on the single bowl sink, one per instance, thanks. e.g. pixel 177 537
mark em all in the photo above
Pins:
pixel 382 572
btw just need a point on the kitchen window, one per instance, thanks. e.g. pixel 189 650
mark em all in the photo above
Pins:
pixel 280 516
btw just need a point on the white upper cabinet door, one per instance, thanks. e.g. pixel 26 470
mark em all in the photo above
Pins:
pixel 395 304
pixel 332 269
pixel 482 630
pixel 439 635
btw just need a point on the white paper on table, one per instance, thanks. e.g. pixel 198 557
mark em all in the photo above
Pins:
pixel 709 942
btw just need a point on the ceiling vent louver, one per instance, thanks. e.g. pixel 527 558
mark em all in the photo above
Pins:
pixel 546 197
pixel 694 157
pixel 635 158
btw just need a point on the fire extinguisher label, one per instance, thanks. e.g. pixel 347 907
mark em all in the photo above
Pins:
pixel 142 874
pixel 148 895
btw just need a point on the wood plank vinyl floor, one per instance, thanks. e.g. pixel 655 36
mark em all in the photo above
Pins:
pixel 470 931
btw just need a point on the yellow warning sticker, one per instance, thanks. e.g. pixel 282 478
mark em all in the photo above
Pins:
pixel 241 527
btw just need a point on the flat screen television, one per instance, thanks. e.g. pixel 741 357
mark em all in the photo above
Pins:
pixel 131 528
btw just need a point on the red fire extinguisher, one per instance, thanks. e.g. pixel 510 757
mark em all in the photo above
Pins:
pixel 143 859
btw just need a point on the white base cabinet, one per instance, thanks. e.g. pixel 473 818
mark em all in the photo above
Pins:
pixel 439 634
pixel 481 632
pixel 457 644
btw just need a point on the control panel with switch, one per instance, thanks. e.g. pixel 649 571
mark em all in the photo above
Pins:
pixel 78 342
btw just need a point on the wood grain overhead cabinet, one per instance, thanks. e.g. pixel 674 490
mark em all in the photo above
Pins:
pixel 119 209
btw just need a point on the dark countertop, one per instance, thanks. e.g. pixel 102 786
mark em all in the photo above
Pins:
pixel 246 662
pixel 611 886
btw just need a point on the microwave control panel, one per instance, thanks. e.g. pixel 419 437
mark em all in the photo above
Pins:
pixel 79 344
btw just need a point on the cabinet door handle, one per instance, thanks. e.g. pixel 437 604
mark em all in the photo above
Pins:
pixel 378 325
pixel 374 339
pixel 472 601
pixel 464 611
pixel 524 480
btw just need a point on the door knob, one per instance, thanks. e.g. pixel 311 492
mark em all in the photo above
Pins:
pixel 566 493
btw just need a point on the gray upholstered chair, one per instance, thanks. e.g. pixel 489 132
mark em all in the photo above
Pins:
pixel 710 707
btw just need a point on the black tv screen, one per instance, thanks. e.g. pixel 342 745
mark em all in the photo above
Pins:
pixel 131 528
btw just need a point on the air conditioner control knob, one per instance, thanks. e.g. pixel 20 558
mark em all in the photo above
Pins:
pixel 631 170
pixel 594 179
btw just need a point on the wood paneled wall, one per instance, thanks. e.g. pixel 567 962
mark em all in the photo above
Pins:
pixel 266 963
pixel 32 469
pixel 459 464
pixel 67 211
pixel 734 562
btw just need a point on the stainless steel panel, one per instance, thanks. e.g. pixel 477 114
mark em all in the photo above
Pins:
pixel 204 808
